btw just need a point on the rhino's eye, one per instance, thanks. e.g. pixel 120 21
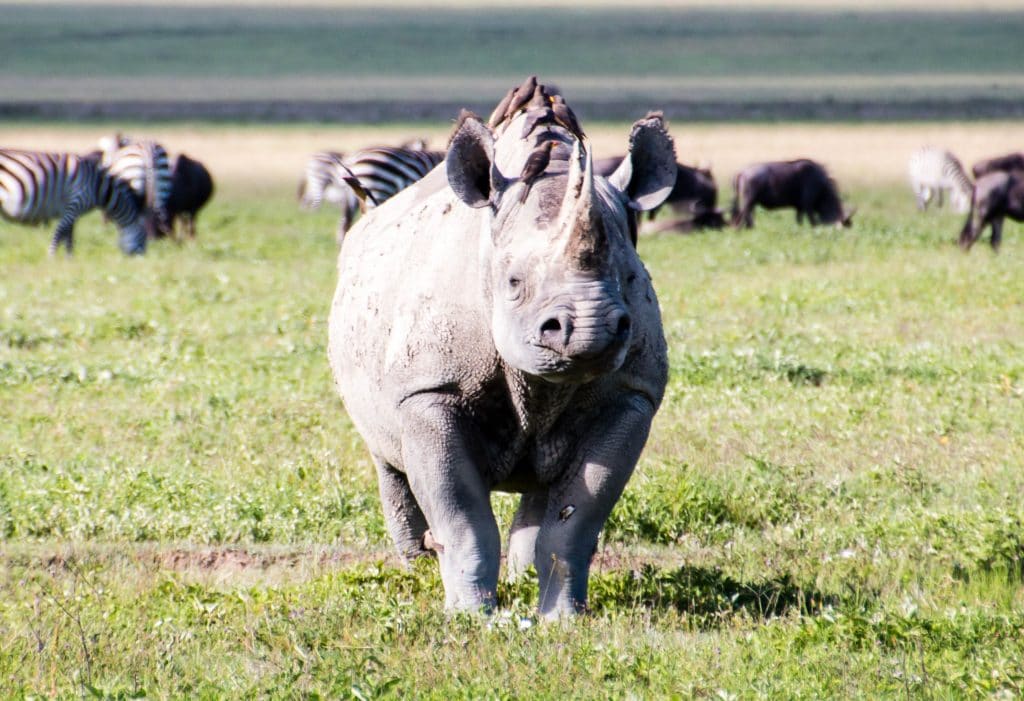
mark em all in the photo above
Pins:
pixel 631 279
pixel 515 288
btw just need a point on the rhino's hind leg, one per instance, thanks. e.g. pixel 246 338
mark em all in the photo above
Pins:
pixel 522 540
pixel 404 519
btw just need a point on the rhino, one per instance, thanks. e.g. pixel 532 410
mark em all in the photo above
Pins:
pixel 482 344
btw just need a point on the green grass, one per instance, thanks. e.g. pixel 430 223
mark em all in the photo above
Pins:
pixel 829 504
pixel 611 53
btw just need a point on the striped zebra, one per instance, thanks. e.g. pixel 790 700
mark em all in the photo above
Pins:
pixel 319 184
pixel 935 170
pixel 110 143
pixel 364 179
pixel 36 187
pixel 146 168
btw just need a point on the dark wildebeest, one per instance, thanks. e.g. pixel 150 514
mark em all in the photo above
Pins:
pixel 802 184
pixel 693 198
pixel 1011 161
pixel 191 188
pixel 997 195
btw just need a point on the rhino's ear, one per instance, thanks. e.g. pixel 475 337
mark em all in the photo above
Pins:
pixel 648 172
pixel 472 174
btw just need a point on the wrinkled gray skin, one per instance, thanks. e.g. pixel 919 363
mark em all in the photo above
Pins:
pixel 481 344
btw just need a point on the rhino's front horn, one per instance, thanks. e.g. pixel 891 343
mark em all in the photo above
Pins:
pixel 580 225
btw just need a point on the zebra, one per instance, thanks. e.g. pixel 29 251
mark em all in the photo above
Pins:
pixel 319 184
pixel 934 170
pixel 364 179
pixel 146 168
pixel 107 145
pixel 36 187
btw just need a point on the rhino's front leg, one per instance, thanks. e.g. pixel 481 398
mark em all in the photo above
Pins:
pixel 438 455
pixel 522 540
pixel 578 508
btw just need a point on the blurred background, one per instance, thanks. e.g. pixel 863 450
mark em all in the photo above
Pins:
pixel 181 70
pixel 356 61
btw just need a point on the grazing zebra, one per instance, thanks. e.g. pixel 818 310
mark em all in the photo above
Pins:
pixel 108 144
pixel 319 184
pixel 934 170
pixel 365 178
pixel 36 187
pixel 146 168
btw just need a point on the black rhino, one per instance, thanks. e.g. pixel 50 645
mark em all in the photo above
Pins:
pixel 481 343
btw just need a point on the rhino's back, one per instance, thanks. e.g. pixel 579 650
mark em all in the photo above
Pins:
pixel 407 316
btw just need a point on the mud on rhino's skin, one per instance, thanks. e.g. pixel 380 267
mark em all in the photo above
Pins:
pixel 484 344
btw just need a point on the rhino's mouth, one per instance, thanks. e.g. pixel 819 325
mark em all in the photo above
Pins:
pixel 579 367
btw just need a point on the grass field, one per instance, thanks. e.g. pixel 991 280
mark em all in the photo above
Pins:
pixel 829 504
pixel 92 51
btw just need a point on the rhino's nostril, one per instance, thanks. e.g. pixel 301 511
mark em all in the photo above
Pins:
pixel 622 328
pixel 550 326
pixel 556 330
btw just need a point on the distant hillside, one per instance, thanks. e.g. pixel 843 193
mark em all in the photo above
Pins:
pixel 355 63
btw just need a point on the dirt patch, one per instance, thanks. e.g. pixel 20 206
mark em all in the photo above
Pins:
pixel 219 559
pixel 228 566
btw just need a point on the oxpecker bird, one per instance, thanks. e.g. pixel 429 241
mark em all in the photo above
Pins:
pixel 535 118
pixel 361 192
pixel 536 163
pixel 539 100
pixel 565 117
pixel 524 93
pixel 498 115
pixel 357 187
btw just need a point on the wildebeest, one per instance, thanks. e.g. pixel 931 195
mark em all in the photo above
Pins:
pixel 934 171
pixel 802 184
pixel 191 188
pixel 694 198
pixel 483 344
pixel 997 195
pixel 1011 161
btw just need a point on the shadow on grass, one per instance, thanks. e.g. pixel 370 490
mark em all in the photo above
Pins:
pixel 707 595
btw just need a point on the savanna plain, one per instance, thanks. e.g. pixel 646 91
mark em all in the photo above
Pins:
pixel 829 505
